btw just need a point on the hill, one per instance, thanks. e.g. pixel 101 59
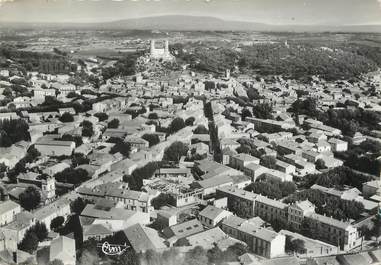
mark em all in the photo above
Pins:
pixel 196 23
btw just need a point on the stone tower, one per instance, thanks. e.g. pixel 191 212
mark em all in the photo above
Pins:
pixel 49 188
pixel 152 50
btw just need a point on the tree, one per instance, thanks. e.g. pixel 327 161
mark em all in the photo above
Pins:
pixel 13 131
pixel 153 139
pixel 66 117
pixel 87 129
pixel 153 116
pixel 272 188
pixel 200 129
pixel 57 222
pixel 72 176
pixel 30 198
pixel 78 159
pixel 135 180
pixel 190 121
pixel 196 256
pixel 175 151
pixel 320 164
pixel 246 113
pixel 161 200
pixel 121 147
pixel 295 245
pixel 101 116
pixel 263 111
pixel 29 243
pixel 113 124
pixel 40 230
pixel 269 162
pixel 176 125
pixel 33 235
pixel 77 205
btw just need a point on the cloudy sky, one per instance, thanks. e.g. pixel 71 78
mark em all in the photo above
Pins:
pixel 306 12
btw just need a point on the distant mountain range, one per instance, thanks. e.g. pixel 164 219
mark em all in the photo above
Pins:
pixel 196 23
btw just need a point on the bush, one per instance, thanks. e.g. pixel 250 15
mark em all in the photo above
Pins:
pixel 263 111
pixel 30 198
pixel 13 131
pixel 57 222
pixel 273 189
pixel 153 139
pixel 135 180
pixel 153 116
pixel 101 116
pixel 190 121
pixel 113 124
pixel 201 130
pixel 121 147
pixel 87 129
pixel 176 125
pixel 72 176
pixel 161 200
pixel 330 205
pixel 337 177
pixel 175 151
pixel 66 117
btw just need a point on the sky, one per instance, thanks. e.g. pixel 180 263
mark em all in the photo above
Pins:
pixel 277 12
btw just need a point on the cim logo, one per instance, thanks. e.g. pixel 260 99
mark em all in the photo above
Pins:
pixel 113 249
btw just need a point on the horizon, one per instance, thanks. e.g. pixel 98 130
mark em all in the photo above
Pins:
pixel 270 12
pixel 185 15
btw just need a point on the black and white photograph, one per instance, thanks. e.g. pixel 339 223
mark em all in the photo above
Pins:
pixel 190 132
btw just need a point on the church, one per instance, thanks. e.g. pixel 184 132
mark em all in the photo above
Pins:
pixel 160 53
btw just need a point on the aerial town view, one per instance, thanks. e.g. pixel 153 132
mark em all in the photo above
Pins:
pixel 219 132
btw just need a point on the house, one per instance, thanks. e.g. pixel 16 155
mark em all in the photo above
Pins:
pixel 10 156
pixel 338 145
pixel 209 238
pixel 182 230
pixel 298 211
pixel 240 161
pixel 55 168
pixel 46 214
pixel 240 202
pixel 136 142
pixel 132 200
pixel 211 216
pixel 370 188
pixel 322 146
pixel 209 186
pixel 270 210
pixel 63 248
pixel 144 238
pixel 8 212
pixel 109 214
pixel 311 247
pixel 261 241
pixel 96 231
pixel 207 169
pixel 335 232
pixel 254 170
pixel 284 167
pixel 172 173
pixel 277 175
pixel 311 156
pixel 49 147
pixel 14 232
